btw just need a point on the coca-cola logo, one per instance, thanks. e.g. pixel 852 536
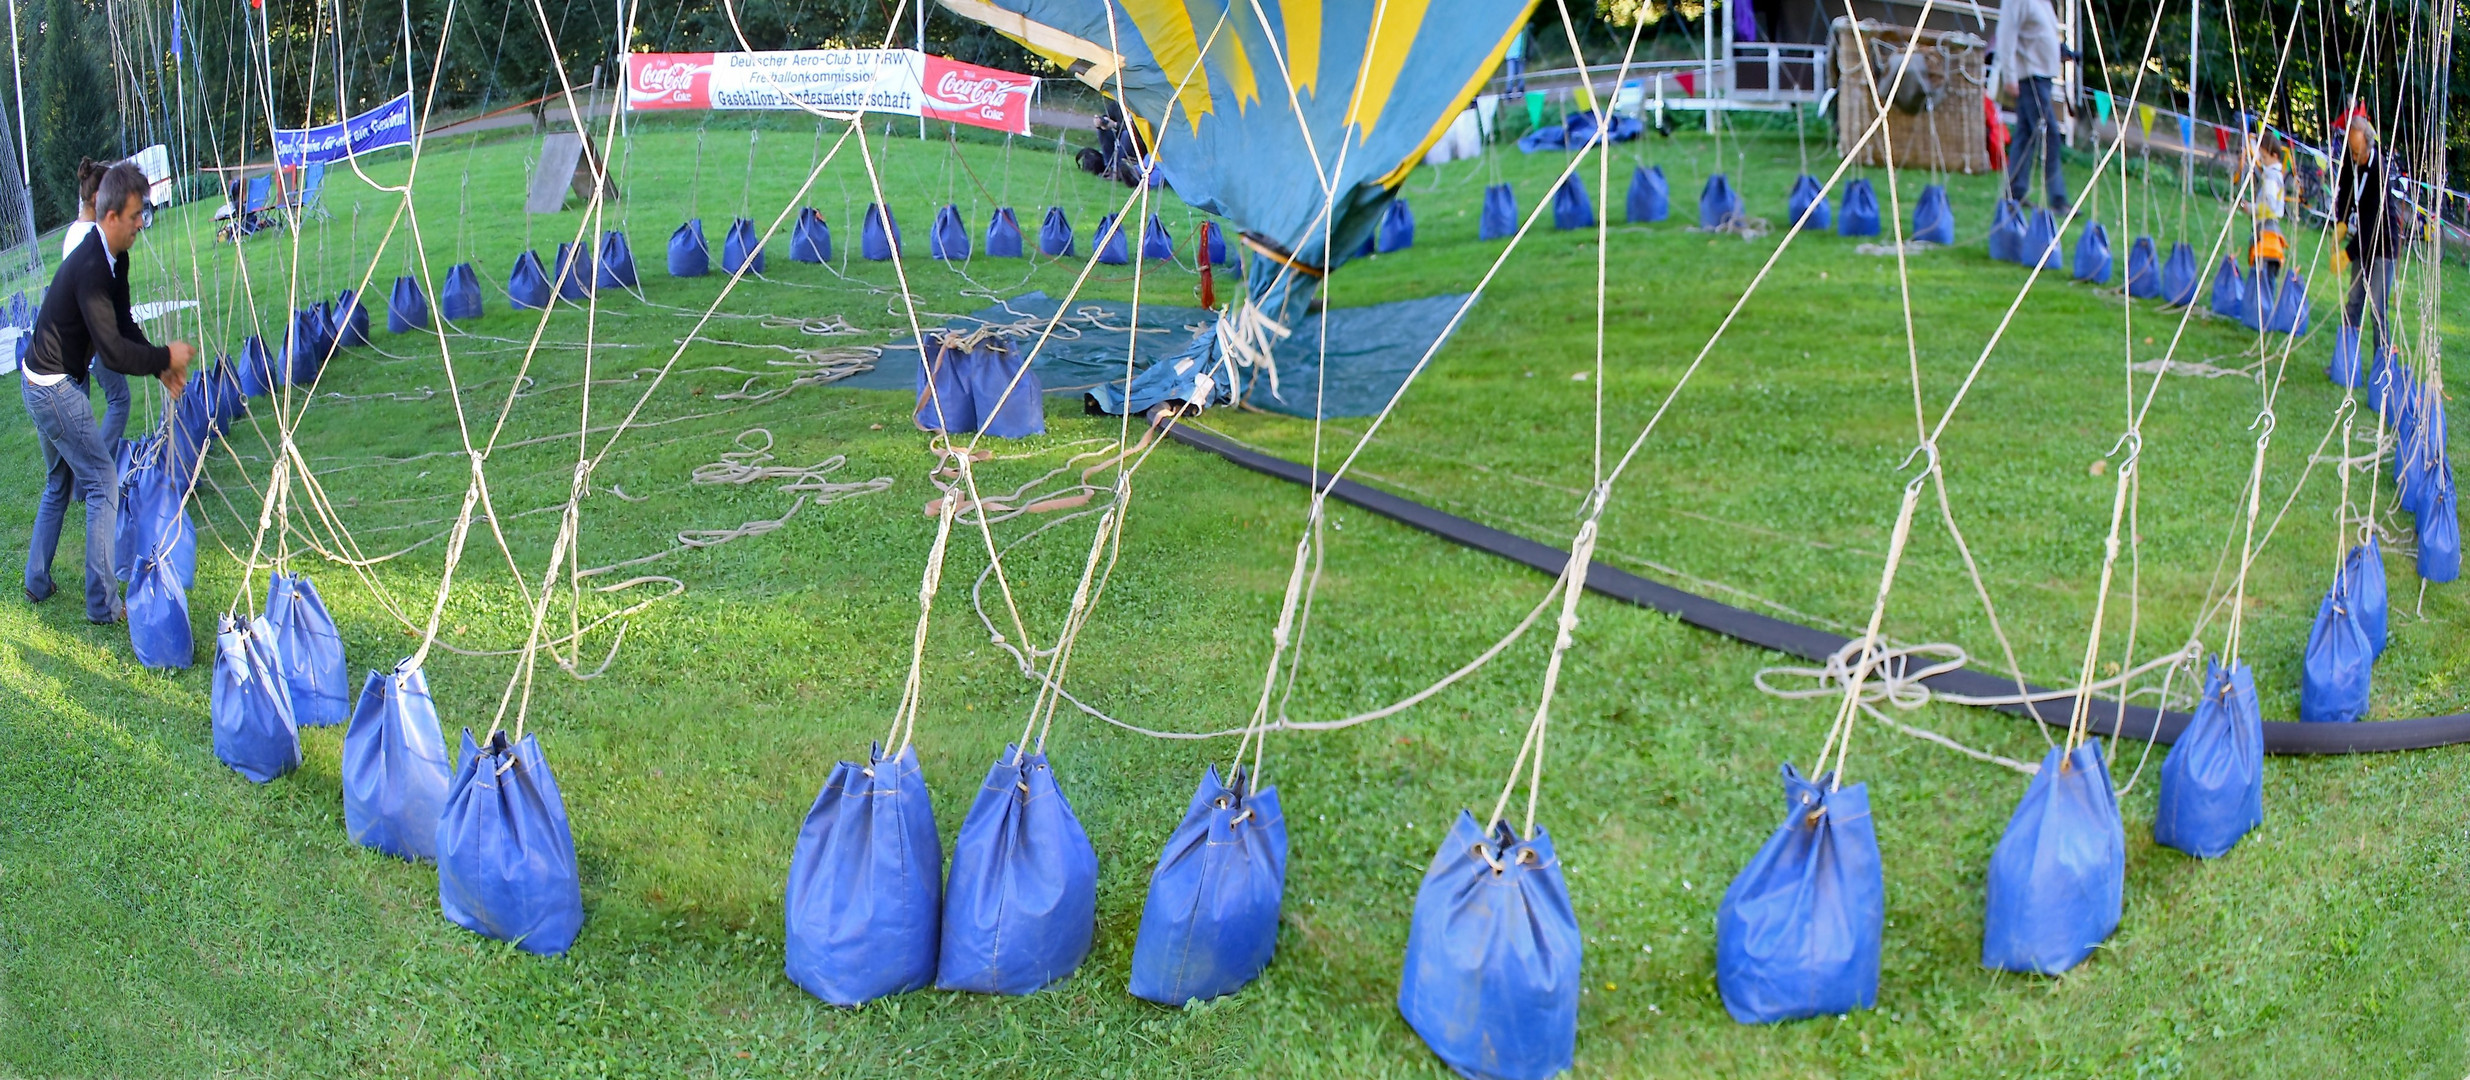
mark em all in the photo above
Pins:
pixel 663 78
pixel 959 90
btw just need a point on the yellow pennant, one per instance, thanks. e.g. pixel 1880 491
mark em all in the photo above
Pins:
pixel 2144 116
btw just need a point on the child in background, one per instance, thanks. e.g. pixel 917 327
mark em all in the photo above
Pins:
pixel 2265 202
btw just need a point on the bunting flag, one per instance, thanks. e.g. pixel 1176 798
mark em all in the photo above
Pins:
pixel 179 25
pixel 2101 105
pixel 2144 116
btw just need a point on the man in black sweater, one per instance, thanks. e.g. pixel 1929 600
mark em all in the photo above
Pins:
pixel 2367 226
pixel 86 314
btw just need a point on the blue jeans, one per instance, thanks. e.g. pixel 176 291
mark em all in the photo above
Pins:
pixel 2036 136
pixel 115 388
pixel 75 460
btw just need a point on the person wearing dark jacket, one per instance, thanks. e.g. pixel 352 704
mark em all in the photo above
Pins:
pixel 86 314
pixel 2367 227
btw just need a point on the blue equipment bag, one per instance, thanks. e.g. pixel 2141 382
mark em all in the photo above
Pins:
pixel 2290 310
pixel 2440 533
pixel 1860 216
pixel 527 285
pixel 1500 216
pixel 880 236
pixel 1213 245
pixel 1113 248
pixel 1397 231
pixel 2178 276
pixel 616 267
pixel 1807 196
pixel 689 256
pixel 409 310
pixel 1717 202
pixel 865 885
pixel 949 238
pixel 2092 254
pixel 2344 368
pixel 1022 902
pixel 810 240
pixel 1003 234
pixel 1571 208
pixel 1933 220
pixel 2041 242
pixel 301 358
pixel 2143 269
pixel 158 607
pixel 505 855
pixel 351 324
pixel 153 515
pixel 2257 309
pixel 394 766
pixel 2230 290
pixel 2364 569
pixel 1210 923
pixel 251 706
pixel 1797 934
pixel 312 651
pixel 2007 232
pixel 574 280
pixel 1492 960
pixel 1650 197
pixel 460 297
pixel 2212 782
pixel 741 251
pixel 944 401
pixel 1001 407
pixel 256 368
pixel 1055 234
pixel 2058 875
pixel 1155 241
pixel 2339 663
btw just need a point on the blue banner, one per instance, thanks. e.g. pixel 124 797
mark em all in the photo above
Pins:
pixel 387 125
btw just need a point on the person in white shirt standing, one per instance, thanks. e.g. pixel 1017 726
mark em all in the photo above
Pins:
pixel 114 385
pixel 2030 61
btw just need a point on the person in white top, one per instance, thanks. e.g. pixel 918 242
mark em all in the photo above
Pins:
pixel 114 385
pixel 2030 58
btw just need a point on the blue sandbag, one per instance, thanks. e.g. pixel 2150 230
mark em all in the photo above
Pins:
pixel 2143 269
pixel 689 255
pixel 948 238
pixel 810 240
pixel 460 297
pixel 1571 208
pixel 2339 664
pixel 1798 932
pixel 2439 533
pixel 1500 215
pixel 944 401
pixel 2344 368
pixel 2290 307
pixel 1003 234
pixel 741 251
pixel 1213 245
pixel 1808 197
pixel 2041 242
pixel 2382 370
pixel 1022 902
pixel 311 649
pixel 2256 301
pixel 2364 569
pixel 251 706
pixel 1492 960
pixel 1933 219
pixel 2229 290
pixel 2212 782
pixel 303 354
pixel 1113 248
pixel 158 609
pixel 505 855
pixel 1860 216
pixel 2007 232
pixel 1001 407
pixel 1210 923
pixel 881 234
pixel 1718 204
pixel 1650 197
pixel 395 771
pixel 615 269
pixel 1156 243
pixel 409 310
pixel 351 324
pixel 1055 234
pixel 1397 229
pixel 2178 276
pixel 864 903
pixel 2092 255
pixel 574 280
pixel 256 368
pixel 527 285
pixel 2057 878
pixel 1366 250
pixel 153 519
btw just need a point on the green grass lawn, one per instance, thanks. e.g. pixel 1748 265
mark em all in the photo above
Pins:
pixel 159 916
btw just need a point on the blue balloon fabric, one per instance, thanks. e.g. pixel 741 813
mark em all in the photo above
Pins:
pixel 2439 532
pixel 880 236
pixel 1718 203
pixel 810 240
pixel 351 324
pixel 2092 255
pixel 2212 782
pixel 2344 367
pixel 2339 664
pixel 689 255
pixel 864 900
pixel 251 706
pixel 395 772
pixel 527 285
pixel 1156 242
pixel 409 309
pixel 616 267
pixel 158 612
pixel 1003 234
pixel 1500 215
pixel 741 251
pixel 2143 269
pixel 1492 959
pixel 2364 571
pixel 1571 206
pixel 2041 245
pixel 1113 248
pixel 2058 876
pixel 1397 230
pixel 1210 923
pixel 949 237
pixel 1006 400
pixel 1798 932
pixel 2007 232
pixel 2230 291
pixel 1055 234
pixel 1933 219
pixel 460 297
pixel 311 649
pixel 1021 905
pixel 1650 197
pixel 505 854
pixel 2178 276
pixel 1807 197
pixel 1860 216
